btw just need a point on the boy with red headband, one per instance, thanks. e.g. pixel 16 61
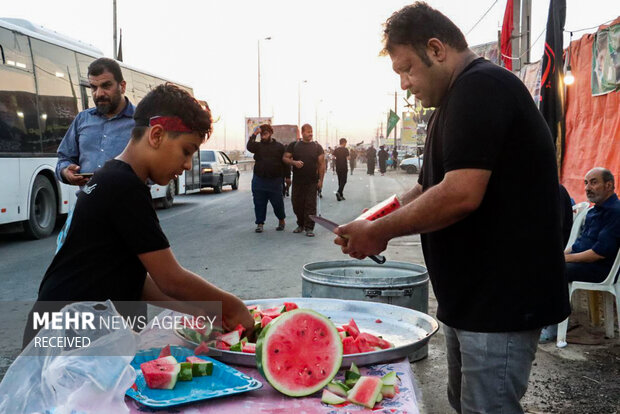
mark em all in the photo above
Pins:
pixel 113 246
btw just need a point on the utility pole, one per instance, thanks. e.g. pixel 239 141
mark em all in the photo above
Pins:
pixel 114 50
pixel 526 29
pixel 515 35
pixel 396 112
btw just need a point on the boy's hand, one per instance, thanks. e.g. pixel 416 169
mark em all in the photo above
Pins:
pixel 234 312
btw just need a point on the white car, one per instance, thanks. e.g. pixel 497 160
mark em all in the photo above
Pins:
pixel 412 165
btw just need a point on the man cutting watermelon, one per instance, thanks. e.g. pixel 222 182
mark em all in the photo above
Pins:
pixel 114 246
pixel 474 206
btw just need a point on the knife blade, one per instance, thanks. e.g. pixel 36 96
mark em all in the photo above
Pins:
pixel 331 226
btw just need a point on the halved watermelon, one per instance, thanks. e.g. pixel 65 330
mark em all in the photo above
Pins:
pixel 366 391
pixel 299 352
pixel 161 373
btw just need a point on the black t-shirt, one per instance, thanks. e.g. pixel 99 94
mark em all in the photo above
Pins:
pixel 500 268
pixel 113 222
pixel 341 154
pixel 268 157
pixel 309 153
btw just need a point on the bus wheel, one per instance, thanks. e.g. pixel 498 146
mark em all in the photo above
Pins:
pixel 168 200
pixel 43 209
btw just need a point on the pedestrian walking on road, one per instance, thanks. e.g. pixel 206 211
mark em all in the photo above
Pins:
pixel 308 161
pixel 394 158
pixel 352 158
pixel 383 157
pixel 371 159
pixel 491 307
pixel 269 173
pixel 341 155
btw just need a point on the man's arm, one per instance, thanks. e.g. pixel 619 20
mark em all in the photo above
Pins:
pixel 69 157
pixel 458 195
pixel 411 195
pixel 252 144
pixel 288 160
pixel 587 256
pixel 322 167
pixel 180 284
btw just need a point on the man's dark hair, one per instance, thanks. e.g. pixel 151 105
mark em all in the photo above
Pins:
pixel 170 100
pixel 304 126
pixel 106 65
pixel 266 128
pixel 342 141
pixel 415 25
pixel 607 176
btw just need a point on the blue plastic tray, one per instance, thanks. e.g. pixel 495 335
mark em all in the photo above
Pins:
pixel 224 381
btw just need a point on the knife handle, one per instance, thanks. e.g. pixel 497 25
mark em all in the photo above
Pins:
pixel 378 259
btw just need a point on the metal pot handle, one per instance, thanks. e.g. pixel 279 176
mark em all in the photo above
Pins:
pixel 371 293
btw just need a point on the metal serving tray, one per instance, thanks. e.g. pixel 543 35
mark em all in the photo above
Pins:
pixel 407 329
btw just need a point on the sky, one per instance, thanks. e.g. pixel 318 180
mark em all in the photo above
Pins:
pixel 322 59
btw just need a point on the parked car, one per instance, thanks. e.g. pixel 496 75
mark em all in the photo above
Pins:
pixel 412 165
pixel 217 170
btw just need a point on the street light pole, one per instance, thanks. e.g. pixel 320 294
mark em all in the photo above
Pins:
pixel 258 54
pixel 299 103
pixel 114 50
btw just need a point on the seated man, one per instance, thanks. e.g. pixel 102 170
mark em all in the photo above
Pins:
pixel 590 258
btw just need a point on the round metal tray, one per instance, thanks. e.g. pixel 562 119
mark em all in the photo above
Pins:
pixel 407 329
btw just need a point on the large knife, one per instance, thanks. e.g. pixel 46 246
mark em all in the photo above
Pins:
pixel 331 226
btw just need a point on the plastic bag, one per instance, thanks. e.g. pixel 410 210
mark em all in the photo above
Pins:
pixel 81 380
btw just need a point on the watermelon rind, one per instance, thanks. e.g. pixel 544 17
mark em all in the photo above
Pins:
pixel 369 395
pixel 200 367
pixel 262 357
pixel 331 398
pixel 153 375
pixel 389 378
pixel 379 397
pixel 237 347
pixel 185 373
pixel 231 338
pixel 338 388
pixel 388 391
pixel 354 368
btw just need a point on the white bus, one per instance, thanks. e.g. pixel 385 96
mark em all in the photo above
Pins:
pixel 43 86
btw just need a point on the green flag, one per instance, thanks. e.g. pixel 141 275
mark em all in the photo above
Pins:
pixel 391 123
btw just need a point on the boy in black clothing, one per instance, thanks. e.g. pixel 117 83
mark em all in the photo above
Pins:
pixel 341 155
pixel 112 246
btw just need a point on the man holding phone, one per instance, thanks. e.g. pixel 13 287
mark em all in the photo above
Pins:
pixel 97 134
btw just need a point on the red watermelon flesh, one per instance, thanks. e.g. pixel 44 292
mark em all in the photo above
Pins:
pixel 365 391
pixel 369 338
pixel 203 348
pixel 382 209
pixel 289 306
pixel 249 348
pixel 352 328
pixel 165 351
pixel 383 344
pixel 299 353
pixel 339 328
pixel 272 312
pixel 363 345
pixel 349 346
pixel 252 307
pixel 231 337
pixel 222 346
pixel 161 373
pixel 265 321
pixel 240 329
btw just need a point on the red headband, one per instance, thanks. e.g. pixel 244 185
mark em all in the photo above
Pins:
pixel 170 123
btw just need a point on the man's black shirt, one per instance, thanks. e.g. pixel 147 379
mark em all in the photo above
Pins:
pixel 309 153
pixel 341 154
pixel 268 158
pixel 500 268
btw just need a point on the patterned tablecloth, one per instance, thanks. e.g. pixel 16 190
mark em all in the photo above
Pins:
pixel 268 400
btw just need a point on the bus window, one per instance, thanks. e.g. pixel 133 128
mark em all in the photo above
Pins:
pixel 59 91
pixel 143 84
pixel 19 125
pixel 87 97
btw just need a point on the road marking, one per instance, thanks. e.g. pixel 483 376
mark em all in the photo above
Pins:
pixel 372 190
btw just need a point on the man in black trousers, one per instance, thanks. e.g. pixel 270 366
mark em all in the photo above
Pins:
pixel 341 154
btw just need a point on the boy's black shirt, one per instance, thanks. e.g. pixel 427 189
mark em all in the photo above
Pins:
pixel 501 268
pixel 341 154
pixel 113 222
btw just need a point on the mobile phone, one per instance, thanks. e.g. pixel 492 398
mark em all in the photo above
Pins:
pixel 85 175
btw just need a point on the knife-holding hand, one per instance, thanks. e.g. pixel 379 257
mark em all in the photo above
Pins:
pixel 360 238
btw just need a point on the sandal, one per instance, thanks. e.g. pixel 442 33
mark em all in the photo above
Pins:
pixel 299 229
pixel 309 233
pixel 259 228
pixel 280 227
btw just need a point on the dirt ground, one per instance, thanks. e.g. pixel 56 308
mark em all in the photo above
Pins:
pixel 578 379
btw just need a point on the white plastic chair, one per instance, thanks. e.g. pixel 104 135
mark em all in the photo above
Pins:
pixel 606 285
pixel 579 207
